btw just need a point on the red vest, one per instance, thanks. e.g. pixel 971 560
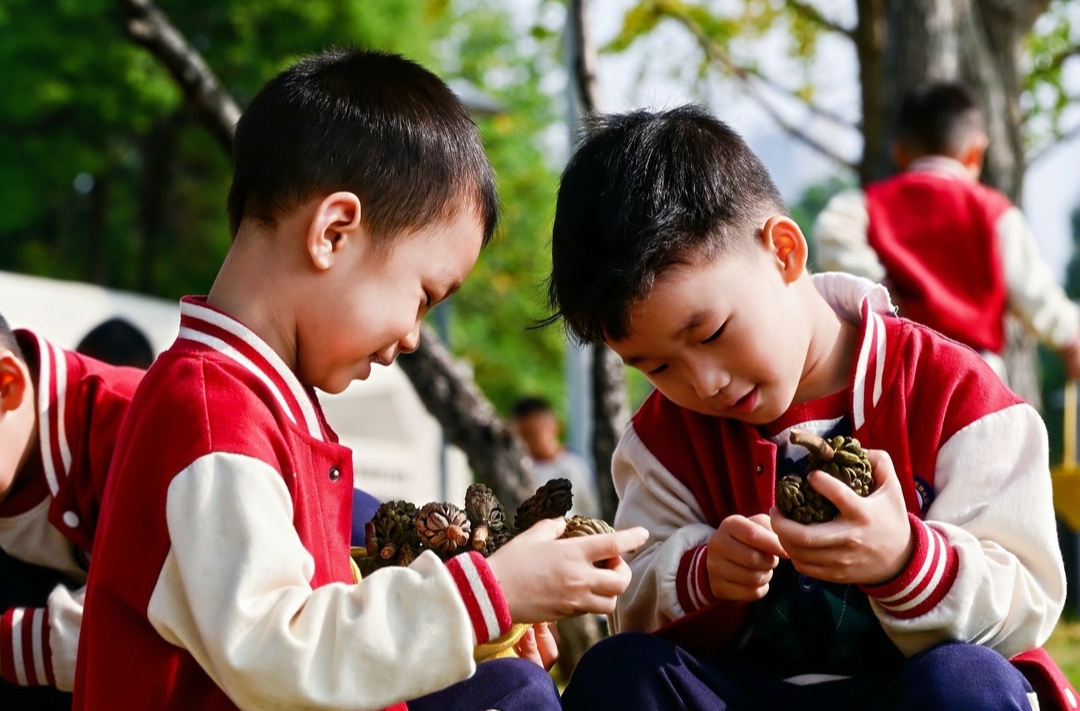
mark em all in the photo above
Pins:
pixel 936 237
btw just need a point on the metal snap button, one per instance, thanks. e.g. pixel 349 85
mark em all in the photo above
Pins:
pixel 335 473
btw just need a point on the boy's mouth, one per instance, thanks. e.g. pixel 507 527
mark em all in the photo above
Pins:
pixel 746 403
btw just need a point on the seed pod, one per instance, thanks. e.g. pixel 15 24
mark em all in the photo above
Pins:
pixel 442 527
pixel 552 500
pixel 842 458
pixel 487 516
pixel 581 526
pixel 391 529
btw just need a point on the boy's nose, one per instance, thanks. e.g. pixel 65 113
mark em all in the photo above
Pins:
pixel 706 383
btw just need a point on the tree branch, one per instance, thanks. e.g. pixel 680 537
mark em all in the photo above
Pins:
pixel 811 13
pixel 149 27
pixel 750 79
pixel 584 58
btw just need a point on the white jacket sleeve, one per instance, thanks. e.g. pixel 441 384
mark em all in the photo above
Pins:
pixel 841 235
pixel 1034 294
pixel 650 496
pixel 994 510
pixel 38 644
pixel 234 591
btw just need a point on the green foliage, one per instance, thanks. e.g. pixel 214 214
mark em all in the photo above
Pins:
pixel 1052 42
pixel 813 201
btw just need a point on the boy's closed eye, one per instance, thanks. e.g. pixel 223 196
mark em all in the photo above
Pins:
pixel 715 334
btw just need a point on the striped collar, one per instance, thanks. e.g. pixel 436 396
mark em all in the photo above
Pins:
pixel 52 404
pixel 862 302
pixel 222 333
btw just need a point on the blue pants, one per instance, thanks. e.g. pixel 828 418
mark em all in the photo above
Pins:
pixel 635 670
pixel 501 684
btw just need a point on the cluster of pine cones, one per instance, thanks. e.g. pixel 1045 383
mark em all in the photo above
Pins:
pixel 399 531
pixel 842 458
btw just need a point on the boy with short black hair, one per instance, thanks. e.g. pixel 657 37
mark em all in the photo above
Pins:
pixel 672 246
pixel 955 254
pixel 221 580
pixel 60 413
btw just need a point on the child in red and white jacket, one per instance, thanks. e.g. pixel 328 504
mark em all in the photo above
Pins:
pixel 60 413
pixel 956 255
pixel 361 198
pixel 671 246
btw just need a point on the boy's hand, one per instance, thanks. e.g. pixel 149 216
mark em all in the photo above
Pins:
pixel 741 556
pixel 539 645
pixel 868 543
pixel 545 579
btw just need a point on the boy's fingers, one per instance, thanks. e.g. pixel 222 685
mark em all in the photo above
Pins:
pixel 546 529
pixel 760 538
pixel 612 545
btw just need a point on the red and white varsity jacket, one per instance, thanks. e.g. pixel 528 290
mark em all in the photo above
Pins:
pixel 50 522
pixel 956 254
pixel 221 575
pixel 971 457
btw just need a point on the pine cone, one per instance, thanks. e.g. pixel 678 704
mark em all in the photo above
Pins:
pixel 552 500
pixel 487 516
pixel 442 527
pixel 390 530
pixel 582 526
pixel 840 457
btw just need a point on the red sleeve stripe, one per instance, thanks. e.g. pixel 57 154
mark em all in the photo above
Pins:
pixel 24 647
pixel 484 601
pixel 927 579
pixel 692 582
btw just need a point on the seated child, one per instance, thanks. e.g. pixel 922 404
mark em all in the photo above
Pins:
pixel 912 231
pixel 60 413
pixel 361 198
pixel 672 246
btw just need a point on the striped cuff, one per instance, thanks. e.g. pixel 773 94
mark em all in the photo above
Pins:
pixel 692 581
pixel 488 611
pixel 25 657
pixel 925 581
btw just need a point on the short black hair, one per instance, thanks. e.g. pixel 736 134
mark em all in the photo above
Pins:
pixel 645 191
pixel 938 118
pixel 8 340
pixel 119 342
pixel 531 405
pixel 370 122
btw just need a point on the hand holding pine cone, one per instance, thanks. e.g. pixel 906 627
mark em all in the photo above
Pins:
pixel 842 458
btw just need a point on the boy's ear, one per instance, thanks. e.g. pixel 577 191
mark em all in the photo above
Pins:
pixel 900 156
pixel 787 245
pixel 973 154
pixel 334 223
pixel 13 382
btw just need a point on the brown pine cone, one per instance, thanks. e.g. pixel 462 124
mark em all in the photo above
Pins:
pixel 391 529
pixel 487 516
pixel 552 500
pixel 442 527
pixel 581 526
pixel 840 457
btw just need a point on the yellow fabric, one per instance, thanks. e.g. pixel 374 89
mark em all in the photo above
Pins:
pixel 1065 477
pixel 501 646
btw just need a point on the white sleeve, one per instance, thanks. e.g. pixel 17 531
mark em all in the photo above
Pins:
pixel 651 496
pixel 65 622
pixel 1034 294
pixel 994 508
pixel 234 591
pixel 841 234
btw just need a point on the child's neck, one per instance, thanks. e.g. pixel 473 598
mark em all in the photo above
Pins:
pixel 829 357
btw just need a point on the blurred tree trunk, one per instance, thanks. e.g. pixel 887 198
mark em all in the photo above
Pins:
pixel 610 410
pixel 978 42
